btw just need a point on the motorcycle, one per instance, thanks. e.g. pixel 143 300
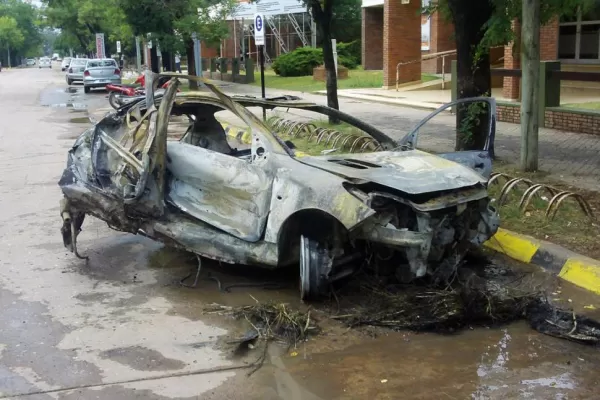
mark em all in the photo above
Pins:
pixel 120 94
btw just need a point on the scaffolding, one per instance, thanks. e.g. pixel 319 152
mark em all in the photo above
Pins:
pixel 284 33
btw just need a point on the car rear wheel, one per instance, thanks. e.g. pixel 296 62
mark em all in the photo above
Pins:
pixel 86 89
pixel 315 268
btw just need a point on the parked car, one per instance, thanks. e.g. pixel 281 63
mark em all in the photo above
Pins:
pixel 99 73
pixel 45 62
pixel 412 212
pixel 30 62
pixel 65 63
pixel 75 70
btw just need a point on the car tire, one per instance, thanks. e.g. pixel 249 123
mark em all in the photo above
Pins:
pixel 315 268
pixel 86 89
pixel 113 100
pixel 69 82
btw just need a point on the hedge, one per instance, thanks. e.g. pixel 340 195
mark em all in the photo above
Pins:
pixel 301 61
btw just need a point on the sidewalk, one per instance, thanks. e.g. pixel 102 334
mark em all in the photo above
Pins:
pixel 571 157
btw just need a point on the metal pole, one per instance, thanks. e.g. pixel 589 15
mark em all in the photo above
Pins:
pixel 243 41
pixel 530 83
pixel 138 58
pixel 443 72
pixel 261 54
pixel 235 39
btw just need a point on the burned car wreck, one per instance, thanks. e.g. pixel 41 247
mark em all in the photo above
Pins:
pixel 416 212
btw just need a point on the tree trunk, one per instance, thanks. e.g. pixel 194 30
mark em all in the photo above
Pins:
pixel 154 59
pixel 189 52
pixel 323 17
pixel 473 70
pixel 530 97
pixel 167 61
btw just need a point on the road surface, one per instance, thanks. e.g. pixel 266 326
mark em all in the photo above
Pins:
pixel 119 327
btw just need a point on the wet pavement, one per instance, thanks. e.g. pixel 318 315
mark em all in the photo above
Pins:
pixel 119 326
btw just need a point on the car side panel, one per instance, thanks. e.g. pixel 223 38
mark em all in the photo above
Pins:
pixel 300 187
pixel 226 192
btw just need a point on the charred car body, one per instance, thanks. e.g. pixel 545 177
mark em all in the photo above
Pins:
pixel 267 206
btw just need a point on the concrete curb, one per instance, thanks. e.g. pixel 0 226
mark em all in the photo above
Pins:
pixel 556 260
pixel 388 101
pixel 241 135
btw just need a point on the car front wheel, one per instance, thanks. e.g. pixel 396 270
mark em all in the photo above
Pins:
pixel 69 82
pixel 315 268
pixel 86 89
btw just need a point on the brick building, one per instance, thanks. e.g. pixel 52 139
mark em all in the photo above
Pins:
pixel 393 32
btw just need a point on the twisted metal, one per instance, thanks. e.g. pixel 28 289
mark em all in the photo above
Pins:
pixel 557 196
pixel 330 138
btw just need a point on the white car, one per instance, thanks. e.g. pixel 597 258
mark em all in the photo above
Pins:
pixel 45 63
pixel 65 63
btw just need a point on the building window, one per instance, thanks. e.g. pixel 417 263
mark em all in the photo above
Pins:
pixel 579 36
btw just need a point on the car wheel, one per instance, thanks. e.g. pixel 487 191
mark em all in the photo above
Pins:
pixel 315 268
pixel 69 82
pixel 86 89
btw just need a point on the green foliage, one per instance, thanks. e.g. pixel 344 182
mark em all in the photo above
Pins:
pixel 498 30
pixel 301 61
pixel 347 20
pixel 350 52
pixel 10 34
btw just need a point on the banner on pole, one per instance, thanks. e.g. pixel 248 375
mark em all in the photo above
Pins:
pixel 100 45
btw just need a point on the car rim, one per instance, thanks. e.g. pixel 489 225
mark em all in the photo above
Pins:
pixel 315 267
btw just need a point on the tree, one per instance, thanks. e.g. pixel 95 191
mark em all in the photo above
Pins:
pixel 322 13
pixel 10 35
pixel 24 20
pixel 174 24
pixel 346 24
pixel 80 20
pixel 480 25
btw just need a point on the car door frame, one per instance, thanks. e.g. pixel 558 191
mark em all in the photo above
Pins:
pixel 482 159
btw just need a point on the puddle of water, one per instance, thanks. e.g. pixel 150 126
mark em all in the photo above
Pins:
pixel 74 106
pixel 480 364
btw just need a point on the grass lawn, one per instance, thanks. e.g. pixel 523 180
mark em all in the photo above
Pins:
pixel 357 78
pixel 570 228
pixel 585 106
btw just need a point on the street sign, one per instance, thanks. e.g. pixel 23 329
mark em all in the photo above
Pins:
pixel 118 46
pixel 259 30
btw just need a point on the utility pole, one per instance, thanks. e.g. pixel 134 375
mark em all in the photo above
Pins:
pixel 530 84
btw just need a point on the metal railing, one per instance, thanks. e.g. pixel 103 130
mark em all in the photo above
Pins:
pixel 442 55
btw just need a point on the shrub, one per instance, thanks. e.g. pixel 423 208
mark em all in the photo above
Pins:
pixel 301 61
pixel 351 52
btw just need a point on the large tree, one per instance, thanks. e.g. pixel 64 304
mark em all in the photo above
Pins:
pixel 22 19
pixel 81 20
pixel 479 26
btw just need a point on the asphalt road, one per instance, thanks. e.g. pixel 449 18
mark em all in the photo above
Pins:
pixel 119 327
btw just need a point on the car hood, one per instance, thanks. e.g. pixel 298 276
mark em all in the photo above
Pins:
pixel 412 172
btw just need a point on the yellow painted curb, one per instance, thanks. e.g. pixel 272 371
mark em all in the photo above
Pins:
pixel 585 274
pixel 512 245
